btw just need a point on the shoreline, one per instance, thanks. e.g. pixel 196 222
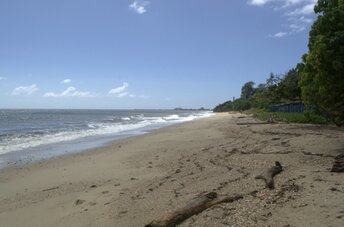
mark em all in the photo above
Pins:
pixel 135 180
pixel 48 151
pixel 106 145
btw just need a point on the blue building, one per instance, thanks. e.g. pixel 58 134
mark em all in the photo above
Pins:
pixel 297 107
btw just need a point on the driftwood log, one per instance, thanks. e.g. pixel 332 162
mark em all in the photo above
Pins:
pixel 269 175
pixel 269 121
pixel 254 123
pixel 208 200
pixel 338 165
pixel 194 207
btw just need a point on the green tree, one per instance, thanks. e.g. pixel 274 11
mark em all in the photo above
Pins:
pixel 274 90
pixel 224 107
pixel 261 98
pixel 242 104
pixel 322 69
pixel 247 90
pixel 289 88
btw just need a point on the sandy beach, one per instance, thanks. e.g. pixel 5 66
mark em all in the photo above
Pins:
pixel 136 180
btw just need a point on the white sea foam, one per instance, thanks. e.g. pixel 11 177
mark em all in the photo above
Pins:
pixel 95 129
pixel 172 117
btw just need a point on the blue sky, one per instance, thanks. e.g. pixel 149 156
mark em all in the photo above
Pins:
pixel 144 54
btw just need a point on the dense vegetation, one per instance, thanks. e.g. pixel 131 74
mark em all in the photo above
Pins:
pixel 322 69
pixel 277 89
pixel 307 117
pixel 318 80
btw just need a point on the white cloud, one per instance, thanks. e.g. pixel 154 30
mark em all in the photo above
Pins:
pixel 299 24
pixel 304 10
pixel 285 3
pixel 288 3
pixel 69 92
pixel 297 27
pixel 259 2
pixel 66 81
pixel 25 90
pixel 118 90
pixel 298 13
pixel 139 6
pixel 3 78
pixel 121 95
pixel 279 34
pixel 127 94
pixel 305 20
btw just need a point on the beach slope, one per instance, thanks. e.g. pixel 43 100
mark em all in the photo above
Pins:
pixel 136 180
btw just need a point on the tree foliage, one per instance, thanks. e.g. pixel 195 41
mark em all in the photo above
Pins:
pixel 236 105
pixel 247 90
pixel 277 89
pixel 261 98
pixel 322 69
pixel 289 86
pixel 318 80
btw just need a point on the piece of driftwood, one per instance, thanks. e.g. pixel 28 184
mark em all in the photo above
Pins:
pixel 269 121
pixel 49 189
pixel 254 123
pixel 194 207
pixel 268 176
pixel 338 165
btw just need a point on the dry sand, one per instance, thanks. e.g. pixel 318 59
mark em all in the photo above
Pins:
pixel 136 180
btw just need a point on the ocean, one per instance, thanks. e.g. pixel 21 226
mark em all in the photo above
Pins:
pixel 32 135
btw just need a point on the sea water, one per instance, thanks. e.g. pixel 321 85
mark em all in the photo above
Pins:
pixel 33 135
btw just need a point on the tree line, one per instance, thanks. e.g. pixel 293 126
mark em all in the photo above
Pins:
pixel 318 81
pixel 276 89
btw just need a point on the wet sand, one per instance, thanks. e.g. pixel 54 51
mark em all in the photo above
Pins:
pixel 135 180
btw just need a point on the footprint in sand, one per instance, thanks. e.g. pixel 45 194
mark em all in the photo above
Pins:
pixel 121 213
pixel 79 202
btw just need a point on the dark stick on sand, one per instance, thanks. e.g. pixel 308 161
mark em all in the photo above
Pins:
pixel 194 207
pixel 268 176
pixel 338 165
